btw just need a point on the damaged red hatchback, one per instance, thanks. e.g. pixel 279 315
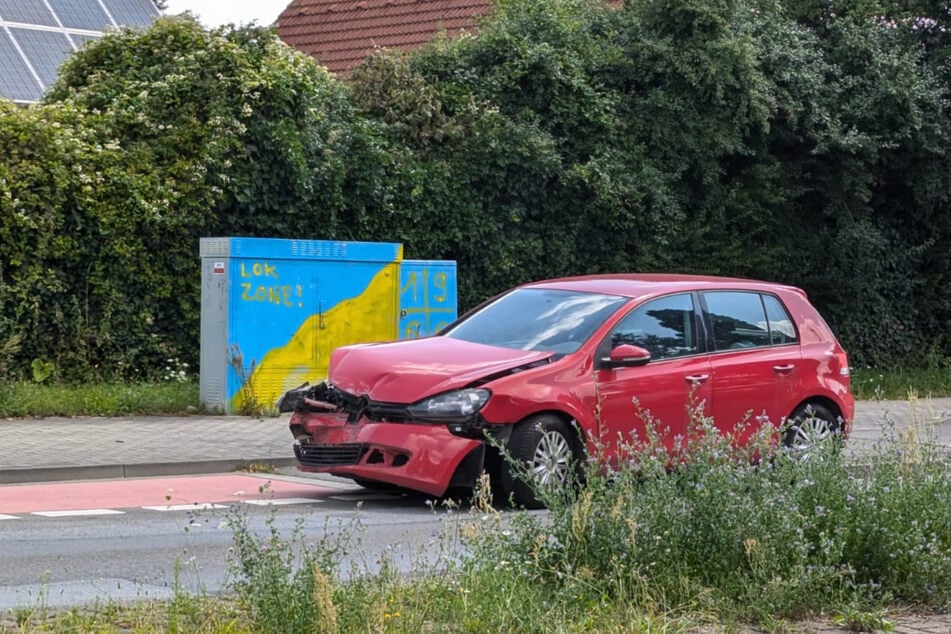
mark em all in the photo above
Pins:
pixel 556 370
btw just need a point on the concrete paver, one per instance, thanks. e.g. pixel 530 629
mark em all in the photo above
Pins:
pixel 46 449
pixel 902 623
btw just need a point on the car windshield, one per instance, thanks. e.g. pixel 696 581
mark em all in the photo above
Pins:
pixel 538 319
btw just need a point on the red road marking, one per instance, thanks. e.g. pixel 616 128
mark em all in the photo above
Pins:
pixel 74 496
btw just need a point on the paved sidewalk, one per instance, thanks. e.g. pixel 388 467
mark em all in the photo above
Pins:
pixel 901 623
pixel 47 449
pixel 929 420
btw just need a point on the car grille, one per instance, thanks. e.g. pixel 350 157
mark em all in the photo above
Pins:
pixel 312 455
pixel 357 406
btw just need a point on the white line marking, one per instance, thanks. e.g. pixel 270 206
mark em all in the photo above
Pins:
pixel 78 513
pixel 8 517
pixel 203 506
pixel 282 501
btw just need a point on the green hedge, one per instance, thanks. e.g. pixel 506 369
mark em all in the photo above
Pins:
pixel 781 141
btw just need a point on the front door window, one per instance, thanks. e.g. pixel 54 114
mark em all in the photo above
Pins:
pixel 661 393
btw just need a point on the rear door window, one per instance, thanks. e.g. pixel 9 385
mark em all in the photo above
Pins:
pixel 742 320
pixel 738 320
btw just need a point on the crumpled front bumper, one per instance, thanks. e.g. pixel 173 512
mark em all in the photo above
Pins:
pixel 414 456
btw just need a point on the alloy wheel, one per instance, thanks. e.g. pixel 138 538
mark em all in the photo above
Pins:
pixel 552 460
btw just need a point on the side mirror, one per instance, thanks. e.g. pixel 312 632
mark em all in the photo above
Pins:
pixel 626 356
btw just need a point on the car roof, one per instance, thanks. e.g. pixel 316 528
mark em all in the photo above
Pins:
pixel 640 284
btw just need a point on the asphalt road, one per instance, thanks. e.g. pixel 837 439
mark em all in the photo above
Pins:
pixel 135 553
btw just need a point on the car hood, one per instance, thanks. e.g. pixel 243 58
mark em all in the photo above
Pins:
pixel 407 371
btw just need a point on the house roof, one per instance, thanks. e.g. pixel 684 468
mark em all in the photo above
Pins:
pixel 342 33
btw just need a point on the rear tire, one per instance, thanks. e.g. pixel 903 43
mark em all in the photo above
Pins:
pixel 811 426
pixel 544 455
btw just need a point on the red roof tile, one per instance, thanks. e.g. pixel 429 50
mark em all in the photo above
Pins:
pixel 342 33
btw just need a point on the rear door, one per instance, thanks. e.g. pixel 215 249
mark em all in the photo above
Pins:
pixel 755 361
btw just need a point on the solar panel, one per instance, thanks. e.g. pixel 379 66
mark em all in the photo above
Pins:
pixel 80 39
pixel 86 15
pixel 131 12
pixel 43 31
pixel 46 50
pixel 27 12
pixel 16 80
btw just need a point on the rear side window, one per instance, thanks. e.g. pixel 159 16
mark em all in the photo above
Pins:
pixel 747 320
pixel 781 328
pixel 664 326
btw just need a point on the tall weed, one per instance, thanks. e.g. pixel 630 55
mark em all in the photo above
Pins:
pixel 284 584
pixel 681 536
pixel 702 526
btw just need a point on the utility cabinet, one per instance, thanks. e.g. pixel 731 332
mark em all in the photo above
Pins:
pixel 272 310
pixel 427 297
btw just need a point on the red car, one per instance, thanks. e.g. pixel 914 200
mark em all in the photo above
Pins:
pixel 560 369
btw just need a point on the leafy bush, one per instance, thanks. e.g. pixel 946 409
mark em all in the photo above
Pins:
pixel 797 142
pixel 148 141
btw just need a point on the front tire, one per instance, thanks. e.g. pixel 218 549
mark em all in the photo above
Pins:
pixel 544 455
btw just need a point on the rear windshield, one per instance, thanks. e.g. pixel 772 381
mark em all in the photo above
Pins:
pixel 538 319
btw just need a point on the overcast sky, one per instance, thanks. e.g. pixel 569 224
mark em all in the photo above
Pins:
pixel 217 12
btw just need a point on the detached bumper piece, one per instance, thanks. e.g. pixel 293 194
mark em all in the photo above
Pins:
pixel 307 397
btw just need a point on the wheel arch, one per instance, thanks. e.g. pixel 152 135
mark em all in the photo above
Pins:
pixel 570 421
pixel 818 399
pixel 500 433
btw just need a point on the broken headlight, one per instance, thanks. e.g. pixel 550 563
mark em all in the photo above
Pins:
pixel 460 404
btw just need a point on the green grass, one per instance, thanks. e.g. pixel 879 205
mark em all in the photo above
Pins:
pixel 898 383
pixel 24 399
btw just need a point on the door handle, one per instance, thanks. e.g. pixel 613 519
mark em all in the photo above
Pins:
pixel 696 379
pixel 783 369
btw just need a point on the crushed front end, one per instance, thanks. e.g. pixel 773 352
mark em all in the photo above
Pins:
pixel 427 446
